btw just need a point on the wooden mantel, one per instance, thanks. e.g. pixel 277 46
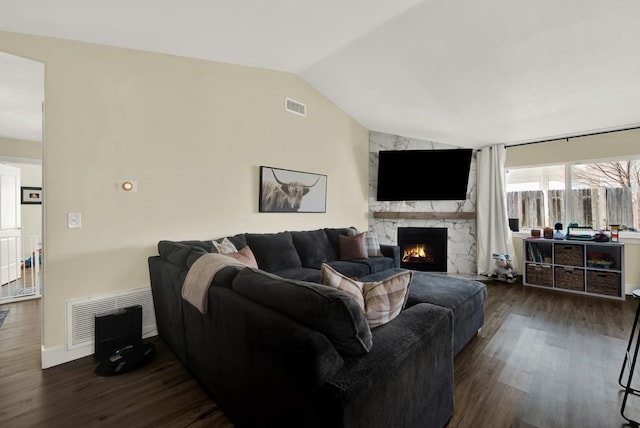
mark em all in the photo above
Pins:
pixel 423 215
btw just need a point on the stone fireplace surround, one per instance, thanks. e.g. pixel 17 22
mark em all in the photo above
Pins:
pixel 457 216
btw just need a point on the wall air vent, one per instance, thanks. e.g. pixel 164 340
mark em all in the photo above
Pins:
pixel 295 107
pixel 80 313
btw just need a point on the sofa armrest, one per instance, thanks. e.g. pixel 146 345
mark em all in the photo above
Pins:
pixel 166 289
pixel 407 377
pixel 262 367
pixel 166 286
pixel 392 251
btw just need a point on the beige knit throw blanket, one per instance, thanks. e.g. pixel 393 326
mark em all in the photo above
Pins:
pixel 200 275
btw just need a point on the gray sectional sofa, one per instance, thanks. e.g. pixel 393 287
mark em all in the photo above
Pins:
pixel 276 348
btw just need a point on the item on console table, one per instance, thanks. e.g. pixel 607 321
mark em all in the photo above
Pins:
pixel 548 233
pixel 535 233
pixel 558 233
pixel 580 233
pixel 614 232
pixel 600 236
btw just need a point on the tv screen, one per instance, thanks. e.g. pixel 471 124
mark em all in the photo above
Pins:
pixel 423 175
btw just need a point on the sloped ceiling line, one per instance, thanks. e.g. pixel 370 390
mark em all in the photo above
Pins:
pixel 460 72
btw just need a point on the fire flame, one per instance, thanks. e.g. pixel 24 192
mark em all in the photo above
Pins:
pixel 416 252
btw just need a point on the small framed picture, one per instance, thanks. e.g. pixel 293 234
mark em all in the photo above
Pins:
pixel 31 195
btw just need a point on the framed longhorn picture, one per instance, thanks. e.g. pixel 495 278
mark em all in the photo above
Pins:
pixel 283 190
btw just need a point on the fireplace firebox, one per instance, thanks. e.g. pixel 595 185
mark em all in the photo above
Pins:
pixel 423 248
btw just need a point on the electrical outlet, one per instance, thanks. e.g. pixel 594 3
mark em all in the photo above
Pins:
pixel 74 220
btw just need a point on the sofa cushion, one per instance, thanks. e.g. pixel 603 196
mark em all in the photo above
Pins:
pixel 322 308
pixel 372 244
pixel 379 276
pixel 352 247
pixel 351 269
pixel 381 301
pixel 194 255
pixel 300 274
pixel 313 247
pixel 464 297
pixel 274 251
pixel 376 264
pixel 238 240
pixel 178 252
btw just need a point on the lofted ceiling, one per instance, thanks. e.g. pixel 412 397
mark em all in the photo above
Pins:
pixel 462 72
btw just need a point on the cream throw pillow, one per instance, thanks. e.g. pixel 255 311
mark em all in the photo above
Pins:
pixel 332 278
pixel 381 301
pixel 225 246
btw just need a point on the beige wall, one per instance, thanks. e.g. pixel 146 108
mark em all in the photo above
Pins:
pixel 602 146
pixel 20 148
pixel 193 134
pixel 595 147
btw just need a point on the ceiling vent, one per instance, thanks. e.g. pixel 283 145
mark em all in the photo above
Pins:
pixel 295 107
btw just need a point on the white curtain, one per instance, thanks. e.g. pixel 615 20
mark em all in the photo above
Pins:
pixel 494 235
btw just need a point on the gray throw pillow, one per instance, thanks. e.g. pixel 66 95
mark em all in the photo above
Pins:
pixel 313 247
pixel 274 251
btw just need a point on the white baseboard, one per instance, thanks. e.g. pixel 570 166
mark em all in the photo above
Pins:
pixel 60 354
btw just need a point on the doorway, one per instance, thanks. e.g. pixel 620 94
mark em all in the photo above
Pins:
pixel 21 178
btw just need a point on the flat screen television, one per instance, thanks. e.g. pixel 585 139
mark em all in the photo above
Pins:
pixel 423 175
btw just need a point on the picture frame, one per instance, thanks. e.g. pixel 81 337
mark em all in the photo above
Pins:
pixel 30 195
pixel 285 190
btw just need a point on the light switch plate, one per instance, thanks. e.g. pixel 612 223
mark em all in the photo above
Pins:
pixel 74 220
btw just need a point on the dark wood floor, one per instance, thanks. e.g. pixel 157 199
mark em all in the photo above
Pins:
pixel 543 359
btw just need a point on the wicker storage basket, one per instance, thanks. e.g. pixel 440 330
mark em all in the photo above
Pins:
pixel 568 255
pixel 607 283
pixel 569 278
pixel 538 274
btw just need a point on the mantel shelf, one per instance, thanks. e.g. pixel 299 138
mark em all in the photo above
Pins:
pixel 424 215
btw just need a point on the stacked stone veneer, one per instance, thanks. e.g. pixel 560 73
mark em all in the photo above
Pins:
pixel 461 257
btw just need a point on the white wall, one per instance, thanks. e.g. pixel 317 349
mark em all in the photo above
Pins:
pixel 193 134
